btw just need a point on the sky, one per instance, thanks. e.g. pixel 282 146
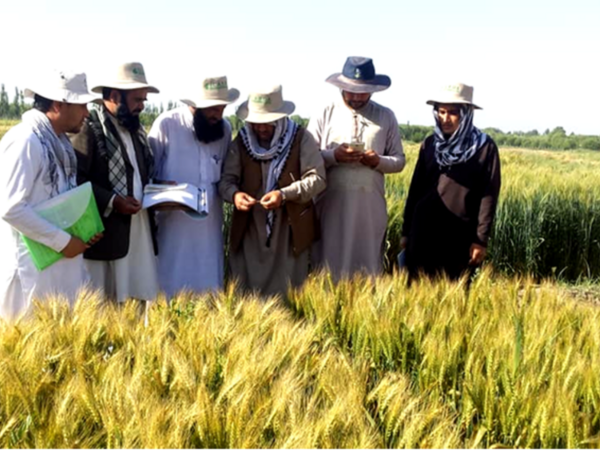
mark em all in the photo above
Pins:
pixel 532 63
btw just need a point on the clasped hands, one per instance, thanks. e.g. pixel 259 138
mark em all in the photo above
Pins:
pixel 271 200
pixel 344 153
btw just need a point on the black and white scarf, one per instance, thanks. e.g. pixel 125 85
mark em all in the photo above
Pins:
pixel 109 144
pixel 276 156
pixel 463 143
pixel 57 149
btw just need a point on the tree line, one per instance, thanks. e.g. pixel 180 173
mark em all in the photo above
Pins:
pixel 12 109
pixel 556 139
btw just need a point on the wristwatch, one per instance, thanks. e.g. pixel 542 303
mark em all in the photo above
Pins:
pixel 283 198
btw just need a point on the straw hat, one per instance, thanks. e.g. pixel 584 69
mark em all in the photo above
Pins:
pixel 358 76
pixel 265 106
pixel 214 92
pixel 129 76
pixel 455 93
pixel 63 87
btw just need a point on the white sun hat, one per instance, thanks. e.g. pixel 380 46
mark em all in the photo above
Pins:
pixel 62 86
pixel 214 92
pixel 454 93
pixel 128 76
pixel 265 106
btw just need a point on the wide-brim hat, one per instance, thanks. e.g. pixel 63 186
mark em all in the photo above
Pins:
pixel 265 106
pixel 214 92
pixel 63 87
pixel 457 93
pixel 129 76
pixel 358 76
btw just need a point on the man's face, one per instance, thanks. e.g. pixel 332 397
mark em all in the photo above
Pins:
pixel 135 99
pixel 449 115
pixel 264 131
pixel 214 114
pixel 355 101
pixel 208 123
pixel 71 116
pixel 126 106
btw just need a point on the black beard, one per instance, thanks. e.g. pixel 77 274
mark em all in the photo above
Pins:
pixel 205 131
pixel 126 119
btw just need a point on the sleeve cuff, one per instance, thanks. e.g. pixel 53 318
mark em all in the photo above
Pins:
pixel 482 242
pixel 329 157
pixel 229 193
pixel 383 162
pixel 60 241
pixel 291 193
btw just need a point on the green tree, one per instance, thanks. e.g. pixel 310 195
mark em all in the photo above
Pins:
pixel 299 120
pixel 16 112
pixel 236 124
pixel 23 106
pixel 590 143
pixel 4 104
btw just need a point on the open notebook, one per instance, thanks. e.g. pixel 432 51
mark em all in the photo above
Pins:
pixel 192 199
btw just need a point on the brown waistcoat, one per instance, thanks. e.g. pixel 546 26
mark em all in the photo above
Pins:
pixel 300 217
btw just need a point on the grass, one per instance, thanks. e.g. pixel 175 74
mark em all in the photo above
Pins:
pixel 6 125
pixel 366 363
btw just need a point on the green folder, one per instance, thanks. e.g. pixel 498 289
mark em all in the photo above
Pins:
pixel 74 211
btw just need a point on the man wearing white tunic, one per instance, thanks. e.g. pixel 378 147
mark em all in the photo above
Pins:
pixel 272 172
pixel 360 143
pixel 114 154
pixel 38 163
pixel 189 145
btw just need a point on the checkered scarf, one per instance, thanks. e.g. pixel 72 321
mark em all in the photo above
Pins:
pixel 276 157
pixel 57 150
pixel 463 143
pixel 109 145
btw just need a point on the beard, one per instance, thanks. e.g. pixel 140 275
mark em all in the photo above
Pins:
pixel 205 131
pixel 127 119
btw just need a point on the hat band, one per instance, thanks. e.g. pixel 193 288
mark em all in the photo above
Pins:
pixel 216 95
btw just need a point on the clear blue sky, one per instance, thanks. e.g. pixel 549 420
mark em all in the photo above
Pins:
pixel 532 63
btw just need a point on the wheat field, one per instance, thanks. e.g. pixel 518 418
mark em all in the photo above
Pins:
pixel 364 364
pixel 6 125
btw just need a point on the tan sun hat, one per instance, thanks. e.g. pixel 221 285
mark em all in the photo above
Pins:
pixel 265 106
pixel 455 93
pixel 214 92
pixel 129 76
pixel 63 87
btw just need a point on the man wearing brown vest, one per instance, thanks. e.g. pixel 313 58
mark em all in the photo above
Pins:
pixel 272 172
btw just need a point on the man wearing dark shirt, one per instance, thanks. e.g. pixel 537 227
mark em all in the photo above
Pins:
pixel 454 191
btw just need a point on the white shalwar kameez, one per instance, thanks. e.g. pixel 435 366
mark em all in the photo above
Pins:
pixel 352 211
pixel 190 250
pixel 24 183
pixel 135 275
